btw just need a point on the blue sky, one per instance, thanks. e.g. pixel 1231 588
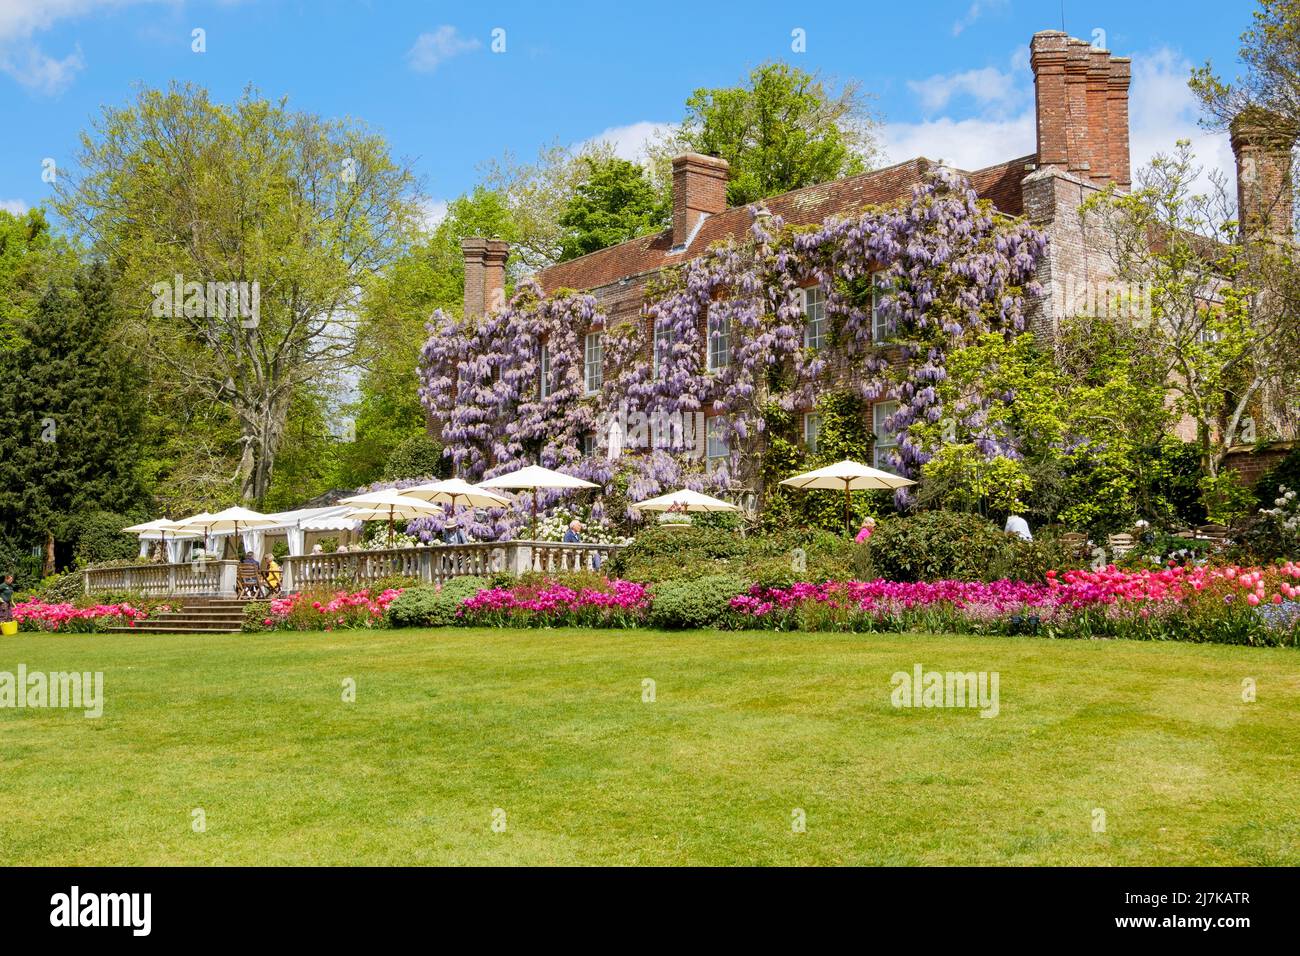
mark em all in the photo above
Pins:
pixel 950 78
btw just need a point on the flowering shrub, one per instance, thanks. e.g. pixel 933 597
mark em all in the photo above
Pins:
pixel 342 610
pixel 36 615
pixel 1230 605
pixel 952 270
pixel 617 604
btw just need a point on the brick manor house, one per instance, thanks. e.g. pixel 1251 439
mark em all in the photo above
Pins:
pixel 1082 113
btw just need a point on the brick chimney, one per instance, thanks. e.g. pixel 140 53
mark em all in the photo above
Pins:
pixel 1262 143
pixel 485 275
pixel 699 191
pixel 1117 126
pixel 1081 107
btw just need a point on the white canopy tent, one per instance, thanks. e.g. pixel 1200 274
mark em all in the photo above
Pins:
pixel 294 525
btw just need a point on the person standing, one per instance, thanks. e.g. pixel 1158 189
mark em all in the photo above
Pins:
pixel 7 598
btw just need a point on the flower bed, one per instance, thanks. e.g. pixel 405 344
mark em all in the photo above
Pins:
pixel 618 604
pixel 341 610
pixel 1229 605
pixel 67 618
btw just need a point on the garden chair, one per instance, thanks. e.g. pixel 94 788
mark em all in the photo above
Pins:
pixel 1075 544
pixel 248 582
pixel 1119 544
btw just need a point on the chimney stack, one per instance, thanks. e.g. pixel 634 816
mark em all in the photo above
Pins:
pixel 485 275
pixel 1262 143
pixel 699 191
pixel 1081 107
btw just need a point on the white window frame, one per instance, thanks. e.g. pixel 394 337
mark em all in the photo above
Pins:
pixel 717 446
pixel 814 310
pixel 885 441
pixel 544 372
pixel 879 323
pixel 588 444
pixel 812 427
pixel 593 359
pixel 719 347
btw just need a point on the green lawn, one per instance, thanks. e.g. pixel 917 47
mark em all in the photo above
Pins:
pixel 550 727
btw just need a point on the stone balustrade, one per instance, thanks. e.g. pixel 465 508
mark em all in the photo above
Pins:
pixel 357 569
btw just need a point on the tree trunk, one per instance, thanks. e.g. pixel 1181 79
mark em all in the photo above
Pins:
pixel 47 563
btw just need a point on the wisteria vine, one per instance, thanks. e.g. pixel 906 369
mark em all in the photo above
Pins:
pixel 948 267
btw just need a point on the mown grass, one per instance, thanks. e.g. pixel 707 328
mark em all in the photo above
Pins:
pixel 551 728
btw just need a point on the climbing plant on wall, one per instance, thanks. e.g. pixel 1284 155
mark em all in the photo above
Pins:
pixel 724 335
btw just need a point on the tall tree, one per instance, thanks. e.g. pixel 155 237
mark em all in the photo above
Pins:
pixel 69 414
pixel 32 258
pixel 393 316
pixel 1270 52
pixel 781 130
pixel 616 201
pixel 1222 340
pixel 309 209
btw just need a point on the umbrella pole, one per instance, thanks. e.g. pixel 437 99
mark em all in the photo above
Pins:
pixel 534 514
pixel 848 528
pixel 390 527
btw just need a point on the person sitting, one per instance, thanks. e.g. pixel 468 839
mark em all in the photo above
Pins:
pixel 574 536
pixel 271 573
pixel 248 577
pixel 454 534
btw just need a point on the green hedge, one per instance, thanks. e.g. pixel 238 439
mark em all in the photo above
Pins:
pixel 432 606
pixel 933 545
pixel 693 603
pixel 776 560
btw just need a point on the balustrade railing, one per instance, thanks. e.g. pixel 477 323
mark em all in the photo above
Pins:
pixel 356 569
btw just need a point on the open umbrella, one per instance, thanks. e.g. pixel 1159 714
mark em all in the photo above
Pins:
pixel 686 500
pixel 159 526
pixel 457 491
pixel 534 477
pixel 849 475
pixel 387 505
pixel 230 521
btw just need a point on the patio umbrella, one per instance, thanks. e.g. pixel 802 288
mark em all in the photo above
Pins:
pixel 456 491
pixel 685 500
pixel 159 525
pixel 849 475
pixel 229 521
pixel 387 505
pixel 198 522
pixel 534 477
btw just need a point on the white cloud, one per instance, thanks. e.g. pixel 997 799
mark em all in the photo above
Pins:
pixel 630 141
pixel 988 87
pixel 41 73
pixel 967 143
pixel 15 206
pixel 1162 111
pixel 432 49
pixel 22 58
pixel 433 212
pixel 976 10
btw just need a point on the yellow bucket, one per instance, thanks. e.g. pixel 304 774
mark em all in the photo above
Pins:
pixel 8 628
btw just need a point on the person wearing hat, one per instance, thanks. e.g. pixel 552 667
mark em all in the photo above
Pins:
pixel 453 533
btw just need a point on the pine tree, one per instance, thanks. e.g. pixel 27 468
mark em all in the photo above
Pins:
pixel 69 416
